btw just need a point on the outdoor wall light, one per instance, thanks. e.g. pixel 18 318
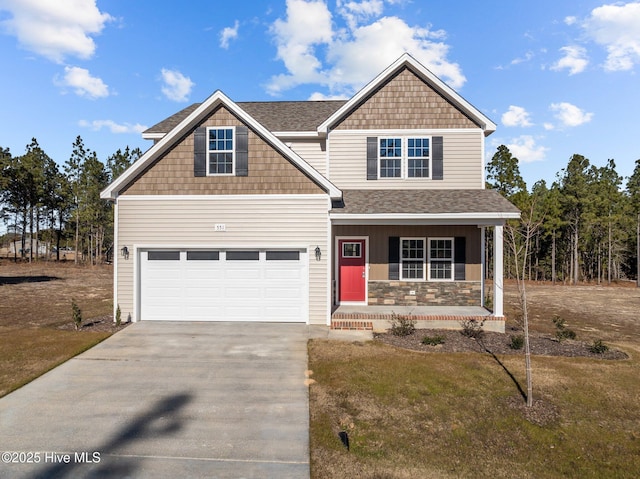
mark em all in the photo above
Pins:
pixel 318 253
pixel 125 252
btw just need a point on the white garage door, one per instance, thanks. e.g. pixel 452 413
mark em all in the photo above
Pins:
pixel 214 285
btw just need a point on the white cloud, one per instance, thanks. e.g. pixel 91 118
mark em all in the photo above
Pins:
pixel 83 83
pixel 574 60
pixel 357 12
pixel 371 48
pixel 571 20
pixel 228 34
pixel 55 29
pixel 526 150
pixel 308 24
pixel 355 54
pixel 527 57
pixel 570 115
pixel 516 116
pixel 177 87
pixel 617 28
pixel 97 125
pixel 317 96
pixel 548 126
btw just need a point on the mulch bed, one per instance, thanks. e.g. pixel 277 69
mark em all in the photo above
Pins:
pixel 496 343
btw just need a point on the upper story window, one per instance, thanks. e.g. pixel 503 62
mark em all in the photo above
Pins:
pixel 418 157
pixel 390 157
pixel 407 157
pixel 220 151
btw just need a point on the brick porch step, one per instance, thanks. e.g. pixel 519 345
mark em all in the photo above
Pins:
pixel 352 325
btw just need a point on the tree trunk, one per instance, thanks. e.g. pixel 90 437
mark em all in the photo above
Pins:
pixel 553 257
pixel 609 260
pixel 575 257
pixel 77 233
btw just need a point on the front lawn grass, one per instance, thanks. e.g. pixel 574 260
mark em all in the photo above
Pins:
pixel 411 415
pixel 36 325
pixel 28 353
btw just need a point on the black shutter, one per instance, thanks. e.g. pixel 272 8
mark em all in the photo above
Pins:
pixel 437 158
pixel 200 152
pixel 242 151
pixel 394 257
pixel 459 257
pixel 372 158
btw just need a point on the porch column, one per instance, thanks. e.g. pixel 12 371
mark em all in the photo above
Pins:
pixel 498 273
pixel 483 266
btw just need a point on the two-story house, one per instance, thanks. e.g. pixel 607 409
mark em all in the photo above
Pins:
pixel 283 211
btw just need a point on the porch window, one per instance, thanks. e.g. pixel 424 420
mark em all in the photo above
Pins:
pixel 441 259
pixel 412 258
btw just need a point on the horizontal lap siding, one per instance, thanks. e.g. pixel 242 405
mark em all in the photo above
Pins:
pixel 313 152
pixel 462 161
pixel 297 221
pixel 379 244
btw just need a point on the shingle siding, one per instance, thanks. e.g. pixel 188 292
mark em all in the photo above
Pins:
pixel 269 171
pixel 405 102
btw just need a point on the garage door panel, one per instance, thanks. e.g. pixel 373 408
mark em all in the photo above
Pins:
pixel 242 274
pixel 284 274
pixel 206 286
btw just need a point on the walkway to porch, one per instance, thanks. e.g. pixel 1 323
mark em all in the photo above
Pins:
pixel 377 318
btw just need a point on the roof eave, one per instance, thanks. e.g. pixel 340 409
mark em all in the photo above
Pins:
pixel 153 135
pixel 485 218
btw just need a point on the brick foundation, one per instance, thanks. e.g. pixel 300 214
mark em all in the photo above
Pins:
pixel 442 293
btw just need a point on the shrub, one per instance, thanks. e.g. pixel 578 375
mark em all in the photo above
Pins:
pixel 76 315
pixel 517 341
pixel 562 332
pixel 433 340
pixel 118 316
pixel 472 328
pixel 402 325
pixel 598 347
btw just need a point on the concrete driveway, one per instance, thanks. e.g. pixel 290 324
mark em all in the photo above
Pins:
pixel 214 400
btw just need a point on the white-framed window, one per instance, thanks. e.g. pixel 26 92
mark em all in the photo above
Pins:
pixel 220 150
pixel 404 157
pixel 412 259
pixel 390 158
pixel 440 259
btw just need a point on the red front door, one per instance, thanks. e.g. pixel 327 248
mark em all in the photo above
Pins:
pixel 351 270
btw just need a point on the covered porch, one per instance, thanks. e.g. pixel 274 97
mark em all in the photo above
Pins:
pixel 385 244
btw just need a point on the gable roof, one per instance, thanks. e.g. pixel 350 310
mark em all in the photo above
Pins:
pixel 275 116
pixel 196 114
pixel 407 61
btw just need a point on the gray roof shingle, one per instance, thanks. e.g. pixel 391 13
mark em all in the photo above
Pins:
pixel 423 202
pixel 273 115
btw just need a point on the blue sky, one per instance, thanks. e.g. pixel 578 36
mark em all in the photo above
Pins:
pixel 558 78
